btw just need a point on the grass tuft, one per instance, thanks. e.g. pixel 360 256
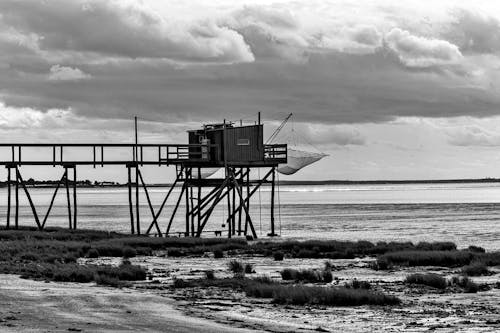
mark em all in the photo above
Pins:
pixel 476 268
pixel 431 280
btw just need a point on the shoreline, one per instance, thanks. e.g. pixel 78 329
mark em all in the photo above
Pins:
pixel 83 184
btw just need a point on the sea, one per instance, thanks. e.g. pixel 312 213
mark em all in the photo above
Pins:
pixel 464 213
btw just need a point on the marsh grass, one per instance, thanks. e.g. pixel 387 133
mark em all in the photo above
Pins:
pixel 429 279
pixel 476 268
pixel 236 266
pixel 451 258
pixel 265 287
pixel 464 282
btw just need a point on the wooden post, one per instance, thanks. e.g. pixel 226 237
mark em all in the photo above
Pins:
pixel 130 203
pixel 74 198
pixel 66 183
pixel 8 197
pixel 199 199
pixel 248 203
pixel 242 180
pixel 187 200
pixel 273 181
pixel 229 221
pixel 17 201
pixel 137 213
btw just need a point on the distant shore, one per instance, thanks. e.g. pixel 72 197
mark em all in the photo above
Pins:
pixel 96 184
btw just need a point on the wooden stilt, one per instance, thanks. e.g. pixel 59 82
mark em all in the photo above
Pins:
pixel 187 202
pixel 137 205
pixel 273 183
pixel 8 197
pixel 238 189
pixel 130 203
pixel 66 183
pixel 191 203
pixel 248 204
pixel 74 198
pixel 17 201
pixel 199 200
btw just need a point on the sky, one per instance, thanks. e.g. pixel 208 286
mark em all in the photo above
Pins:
pixel 388 89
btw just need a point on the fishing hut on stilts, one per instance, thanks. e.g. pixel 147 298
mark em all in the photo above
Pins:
pixel 234 150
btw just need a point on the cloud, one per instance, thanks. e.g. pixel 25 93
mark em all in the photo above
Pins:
pixel 123 29
pixel 22 118
pixel 63 73
pixel 328 63
pixel 475 31
pixel 473 136
pixel 421 52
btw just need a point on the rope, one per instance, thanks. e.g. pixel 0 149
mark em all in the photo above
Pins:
pixel 279 200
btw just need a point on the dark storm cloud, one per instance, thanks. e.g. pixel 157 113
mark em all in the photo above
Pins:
pixel 115 59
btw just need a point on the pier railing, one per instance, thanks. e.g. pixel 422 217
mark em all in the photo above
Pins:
pixel 275 153
pixel 98 154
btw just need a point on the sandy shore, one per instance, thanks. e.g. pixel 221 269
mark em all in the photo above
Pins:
pixel 34 306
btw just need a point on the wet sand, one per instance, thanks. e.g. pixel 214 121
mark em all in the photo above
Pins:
pixel 34 306
pixel 153 306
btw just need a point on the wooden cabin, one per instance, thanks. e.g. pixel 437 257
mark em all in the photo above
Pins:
pixel 229 144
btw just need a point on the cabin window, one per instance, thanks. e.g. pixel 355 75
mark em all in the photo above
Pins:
pixel 243 142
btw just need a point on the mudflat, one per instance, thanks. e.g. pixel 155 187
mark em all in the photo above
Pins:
pixel 36 306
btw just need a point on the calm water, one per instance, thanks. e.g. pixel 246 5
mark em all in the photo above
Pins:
pixel 462 213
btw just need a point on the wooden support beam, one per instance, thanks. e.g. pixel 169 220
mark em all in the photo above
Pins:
pixel 66 183
pixel 273 186
pixel 155 222
pixel 211 208
pixel 162 205
pixel 16 221
pixel 137 205
pixel 247 212
pixel 33 209
pixel 175 209
pixel 8 197
pixel 130 203
pixel 52 201
pixel 242 180
pixel 188 171
pixel 198 202
pixel 246 200
pixel 74 198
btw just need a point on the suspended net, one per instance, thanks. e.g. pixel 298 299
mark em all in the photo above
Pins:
pixel 207 172
pixel 298 159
